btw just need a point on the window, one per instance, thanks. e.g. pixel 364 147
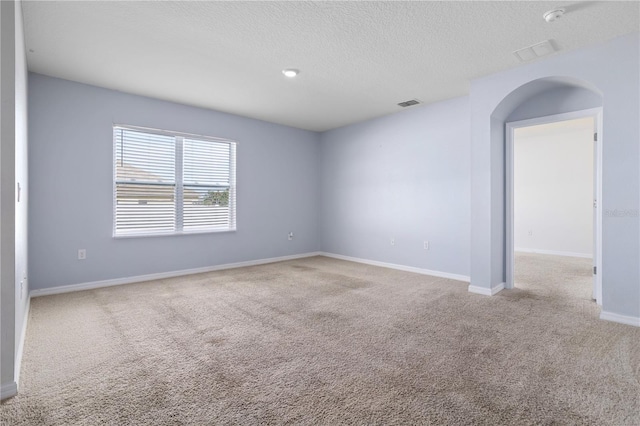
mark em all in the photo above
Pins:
pixel 172 183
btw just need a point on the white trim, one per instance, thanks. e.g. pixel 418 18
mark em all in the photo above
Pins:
pixel 596 113
pixel 161 275
pixel 487 291
pixel 599 209
pixel 171 233
pixel 23 336
pixel 422 271
pixel 554 253
pixel 510 257
pixel 622 319
pixel 8 390
pixel 547 119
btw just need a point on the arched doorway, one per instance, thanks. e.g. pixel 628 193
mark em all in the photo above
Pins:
pixel 541 101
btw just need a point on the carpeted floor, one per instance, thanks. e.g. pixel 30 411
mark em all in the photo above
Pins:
pixel 323 341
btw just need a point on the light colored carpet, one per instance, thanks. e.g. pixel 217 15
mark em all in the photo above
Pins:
pixel 558 279
pixel 323 341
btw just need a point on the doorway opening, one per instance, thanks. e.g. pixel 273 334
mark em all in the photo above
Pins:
pixel 553 184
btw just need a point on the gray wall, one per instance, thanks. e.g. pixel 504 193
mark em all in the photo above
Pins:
pixel 404 176
pixel 13 158
pixel 611 69
pixel 71 169
pixel 557 100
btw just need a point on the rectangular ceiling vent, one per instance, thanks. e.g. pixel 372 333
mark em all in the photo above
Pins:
pixel 409 103
pixel 537 50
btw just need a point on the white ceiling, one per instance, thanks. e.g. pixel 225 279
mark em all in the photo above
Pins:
pixel 357 59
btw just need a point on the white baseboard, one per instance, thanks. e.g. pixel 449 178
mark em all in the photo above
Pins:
pixel 8 390
pixel 622 319
pixel 23 336
pixel 422 271
pixel 161 275
pixel 486 291
pixel 554 253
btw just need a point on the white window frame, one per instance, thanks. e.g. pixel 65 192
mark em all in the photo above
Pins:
pixel 179 185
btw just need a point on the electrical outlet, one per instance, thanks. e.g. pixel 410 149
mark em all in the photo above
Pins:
pixel 393 241
pixel 426 245
pixel 290 236
pixel 82 254
pixel 530 232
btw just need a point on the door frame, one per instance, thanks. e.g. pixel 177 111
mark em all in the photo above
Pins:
pixel 596 113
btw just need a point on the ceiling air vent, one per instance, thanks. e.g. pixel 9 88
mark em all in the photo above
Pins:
pixel 409 103
pixel 535 51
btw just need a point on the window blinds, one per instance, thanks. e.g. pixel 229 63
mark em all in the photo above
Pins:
pixel 165 184
pixel 208 198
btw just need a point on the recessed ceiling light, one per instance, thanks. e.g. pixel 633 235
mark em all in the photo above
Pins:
pixel 290 72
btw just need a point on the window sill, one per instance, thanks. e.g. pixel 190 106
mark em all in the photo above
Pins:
pixel 174 234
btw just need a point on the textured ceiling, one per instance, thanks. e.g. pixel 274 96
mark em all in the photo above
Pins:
pixel 357 59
